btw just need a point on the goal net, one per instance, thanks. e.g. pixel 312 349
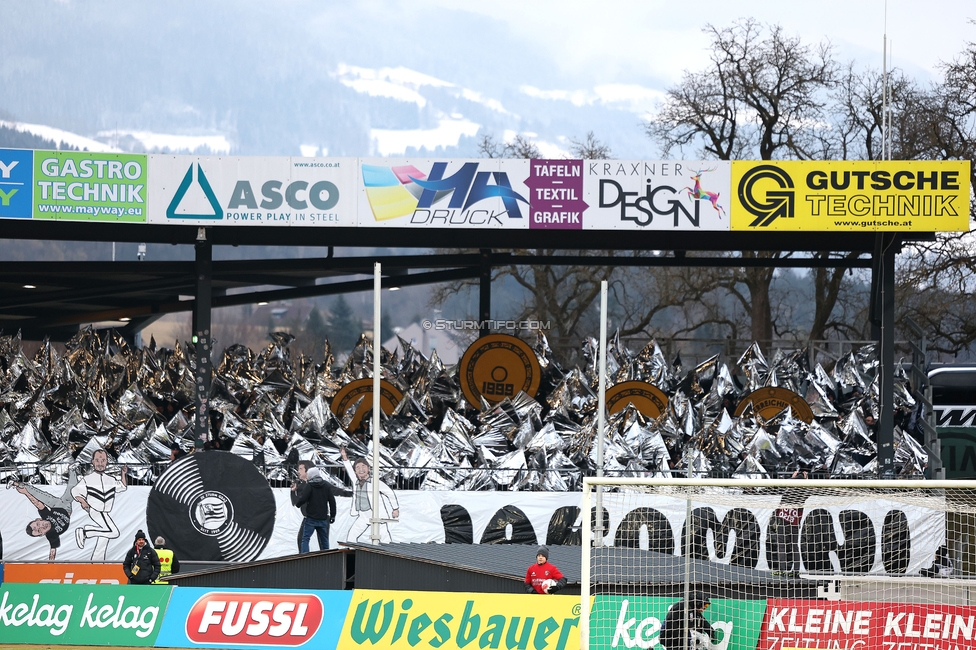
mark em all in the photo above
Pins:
pixel 778 564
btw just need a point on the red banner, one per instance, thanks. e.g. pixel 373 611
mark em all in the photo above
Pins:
pixel 837 625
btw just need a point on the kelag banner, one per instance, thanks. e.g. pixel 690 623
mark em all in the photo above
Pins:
pixel 128 615
pixel 866 626
pixel 635 621
pixel 452 194
pixel 410 619
pixel 241 618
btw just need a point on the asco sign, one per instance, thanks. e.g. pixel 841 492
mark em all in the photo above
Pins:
pixel 217 191
pixel 254 619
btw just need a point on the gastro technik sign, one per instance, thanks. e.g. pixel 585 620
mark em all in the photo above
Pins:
pixel 452 194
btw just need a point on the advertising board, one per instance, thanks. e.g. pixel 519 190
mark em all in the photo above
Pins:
pixel 73 185
pixel 509 194
pixel 851 196
pixel 108 573
pixel 242 618
pixel 629 621
pixel 843 625
pixel 408 619
pixel 657 195
pixel 127 615
pixel 253 191
pixel 437 193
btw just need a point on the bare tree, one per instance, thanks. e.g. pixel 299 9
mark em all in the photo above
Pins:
pixel 520 147
pixel 763 95
pixel 590 148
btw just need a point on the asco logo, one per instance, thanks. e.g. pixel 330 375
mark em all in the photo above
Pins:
pixel 242 618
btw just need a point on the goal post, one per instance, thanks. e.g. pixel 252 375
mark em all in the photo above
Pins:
pixel 770 564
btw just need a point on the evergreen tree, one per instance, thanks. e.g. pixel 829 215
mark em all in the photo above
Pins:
pixel 343 326
pixel 316 325
pixel 386 327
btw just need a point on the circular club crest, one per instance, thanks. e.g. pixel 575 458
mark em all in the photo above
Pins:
pixel 212 506
pixel 647 398
pixel 498 366
pixel 770 401
pixel 211 513
pixel 361 391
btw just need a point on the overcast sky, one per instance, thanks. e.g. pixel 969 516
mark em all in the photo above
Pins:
pixel 628 38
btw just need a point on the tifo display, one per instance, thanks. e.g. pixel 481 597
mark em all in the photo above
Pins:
pixel 274 410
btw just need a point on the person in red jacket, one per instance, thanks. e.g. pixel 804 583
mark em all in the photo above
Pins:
pixel 543 577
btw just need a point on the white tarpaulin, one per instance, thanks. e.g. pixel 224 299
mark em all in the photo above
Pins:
pixel 479 517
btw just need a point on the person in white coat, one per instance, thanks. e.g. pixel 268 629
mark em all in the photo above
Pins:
pixel 96 494
pixel 361 509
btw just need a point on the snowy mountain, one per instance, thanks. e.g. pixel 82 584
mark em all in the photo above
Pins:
pixel 296 78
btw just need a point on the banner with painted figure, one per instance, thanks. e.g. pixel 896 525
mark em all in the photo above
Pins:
pixel 233 515
pixel 252 191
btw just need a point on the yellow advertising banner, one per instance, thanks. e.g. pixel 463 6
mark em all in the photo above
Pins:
pixel 431 619
pixel 850 196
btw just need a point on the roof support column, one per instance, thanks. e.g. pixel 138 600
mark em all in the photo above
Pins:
pixel 882 318
pixel 484 292
pixel 202 337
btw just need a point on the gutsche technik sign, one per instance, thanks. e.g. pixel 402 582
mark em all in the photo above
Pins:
pixel 487 194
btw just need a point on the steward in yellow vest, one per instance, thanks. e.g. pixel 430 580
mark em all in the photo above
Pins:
pixel 168 564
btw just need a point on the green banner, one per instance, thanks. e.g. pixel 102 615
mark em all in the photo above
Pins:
pixel 635 621
pixel 111 615
pixel 85 186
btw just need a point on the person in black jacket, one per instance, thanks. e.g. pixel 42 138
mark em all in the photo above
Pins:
pixel 320 510
pixel 298 488
pixel 141 564
pixel 699 629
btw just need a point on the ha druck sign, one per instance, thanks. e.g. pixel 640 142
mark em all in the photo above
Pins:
pixel 252 191
pixel 866 626
pixel 128 615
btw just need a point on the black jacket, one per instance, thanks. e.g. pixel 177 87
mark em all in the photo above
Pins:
pixel 146 560
pixel 300 487
pixel 317 497
pixel 672 630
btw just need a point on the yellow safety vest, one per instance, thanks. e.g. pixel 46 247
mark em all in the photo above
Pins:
pixel 165 565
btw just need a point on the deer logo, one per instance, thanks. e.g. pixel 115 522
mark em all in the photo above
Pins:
pixel 698 193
